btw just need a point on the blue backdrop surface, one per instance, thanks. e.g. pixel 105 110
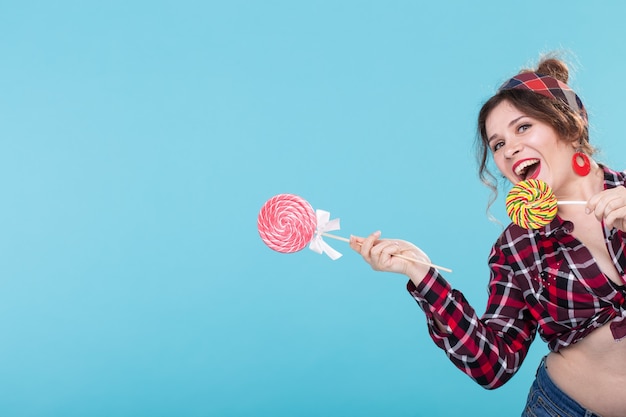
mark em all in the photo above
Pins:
pixel 139 139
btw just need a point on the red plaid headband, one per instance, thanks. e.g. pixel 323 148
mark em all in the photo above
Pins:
pixel 546 86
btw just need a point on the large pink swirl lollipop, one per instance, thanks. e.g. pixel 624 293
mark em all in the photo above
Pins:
pixel 286 223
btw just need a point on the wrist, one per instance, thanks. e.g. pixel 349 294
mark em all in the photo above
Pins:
pixel 417 273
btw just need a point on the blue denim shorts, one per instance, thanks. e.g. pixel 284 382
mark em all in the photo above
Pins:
pixel 545 399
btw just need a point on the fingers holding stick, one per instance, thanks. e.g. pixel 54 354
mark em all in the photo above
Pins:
pixel 377 257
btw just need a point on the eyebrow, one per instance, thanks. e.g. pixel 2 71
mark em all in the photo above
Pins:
pixel 511 123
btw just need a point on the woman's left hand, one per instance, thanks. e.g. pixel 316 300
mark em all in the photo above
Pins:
pixel 379 253
pixel 610 206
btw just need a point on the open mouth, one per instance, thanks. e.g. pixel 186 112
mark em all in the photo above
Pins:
pixel 527 169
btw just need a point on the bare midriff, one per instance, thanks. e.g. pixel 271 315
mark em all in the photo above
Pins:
pixel 593 372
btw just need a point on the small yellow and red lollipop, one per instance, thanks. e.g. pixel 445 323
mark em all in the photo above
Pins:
pixel 531 204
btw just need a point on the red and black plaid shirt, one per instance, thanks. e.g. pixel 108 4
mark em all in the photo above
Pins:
pixel 542 280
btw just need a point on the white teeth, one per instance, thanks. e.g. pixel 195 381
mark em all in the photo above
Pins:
pixel 521 167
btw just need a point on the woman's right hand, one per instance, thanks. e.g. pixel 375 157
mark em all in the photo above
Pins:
pixel 379 253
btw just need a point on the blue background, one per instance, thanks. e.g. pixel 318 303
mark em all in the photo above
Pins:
pixel 139 140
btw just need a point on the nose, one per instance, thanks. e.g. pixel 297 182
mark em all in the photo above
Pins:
pixel 512 148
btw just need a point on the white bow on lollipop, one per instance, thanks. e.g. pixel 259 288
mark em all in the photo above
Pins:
pixel 324 224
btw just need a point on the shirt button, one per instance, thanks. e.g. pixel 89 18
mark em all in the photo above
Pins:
pixel 568 227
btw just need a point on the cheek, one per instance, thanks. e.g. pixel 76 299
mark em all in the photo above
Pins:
pixel 498 160
pixel 503 168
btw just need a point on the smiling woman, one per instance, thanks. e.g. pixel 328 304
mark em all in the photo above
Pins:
pixel 564 279
pixel 540 96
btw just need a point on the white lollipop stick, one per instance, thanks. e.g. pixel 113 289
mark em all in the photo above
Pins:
pixel 397 256
pixel 567 202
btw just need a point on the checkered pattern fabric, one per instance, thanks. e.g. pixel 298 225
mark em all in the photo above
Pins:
pixel 547 86
pixel 542 280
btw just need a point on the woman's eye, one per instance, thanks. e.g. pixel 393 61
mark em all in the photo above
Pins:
pixel 523 128
pixel 497 146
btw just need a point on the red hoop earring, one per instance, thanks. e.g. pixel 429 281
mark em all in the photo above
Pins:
pixel 581 164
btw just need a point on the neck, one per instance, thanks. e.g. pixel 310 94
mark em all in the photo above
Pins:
pixel 582 188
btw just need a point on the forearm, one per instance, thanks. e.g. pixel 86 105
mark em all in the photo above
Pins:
pixel 490 352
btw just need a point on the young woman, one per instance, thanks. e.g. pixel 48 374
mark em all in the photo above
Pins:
pixel 565 280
